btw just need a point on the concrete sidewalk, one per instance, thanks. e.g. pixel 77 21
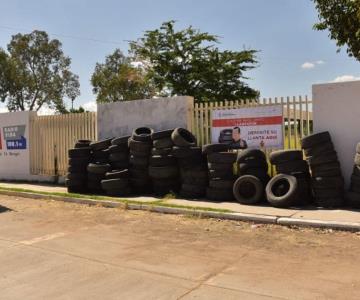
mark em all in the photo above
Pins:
pixel 346 219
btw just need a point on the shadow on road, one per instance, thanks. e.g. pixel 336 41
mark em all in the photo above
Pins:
pixel 4 209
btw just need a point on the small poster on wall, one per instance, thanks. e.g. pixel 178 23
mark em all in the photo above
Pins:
pixel 249 127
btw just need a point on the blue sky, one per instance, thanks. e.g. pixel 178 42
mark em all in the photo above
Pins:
pixel 293 56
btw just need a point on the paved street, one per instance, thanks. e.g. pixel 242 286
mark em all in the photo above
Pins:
pixel 55 250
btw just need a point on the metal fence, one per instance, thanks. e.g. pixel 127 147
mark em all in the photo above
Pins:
pixel 297 117
pixel 52 136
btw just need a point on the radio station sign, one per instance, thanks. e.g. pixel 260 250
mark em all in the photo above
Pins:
pixel 14 145
pixel 249 127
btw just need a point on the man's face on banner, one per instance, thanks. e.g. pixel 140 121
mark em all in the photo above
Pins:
pixel 236 134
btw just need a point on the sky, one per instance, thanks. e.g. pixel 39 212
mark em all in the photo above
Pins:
pixel 292 56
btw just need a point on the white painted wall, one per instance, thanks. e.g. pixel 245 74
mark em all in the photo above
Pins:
pixel 337 110
pixel 121 118
pixel 14 163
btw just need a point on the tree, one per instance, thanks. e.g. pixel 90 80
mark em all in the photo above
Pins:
pixel 342 19
pixel 187 63
pixel 78 110
pixel 118 79
pixel 36 72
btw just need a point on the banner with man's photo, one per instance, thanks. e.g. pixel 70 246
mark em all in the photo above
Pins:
pixel 248 127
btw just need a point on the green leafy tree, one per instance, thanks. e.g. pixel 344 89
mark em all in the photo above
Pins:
pixel 78 110
pixel 35 72
pixel 187 62
pixel 118 79
pixel 342 19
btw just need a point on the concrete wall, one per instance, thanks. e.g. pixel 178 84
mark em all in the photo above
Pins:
pixel 337 110
pixel 120 118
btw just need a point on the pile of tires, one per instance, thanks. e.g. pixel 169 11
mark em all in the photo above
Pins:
pixel 140 145
pixel 98 166
pixel 221 172
pixel 353 195
pixel 252 167
pixel 291 185
pixel 327 181
pixel 191 163
pixel 79 157
pixel 116 181
pixel 163 168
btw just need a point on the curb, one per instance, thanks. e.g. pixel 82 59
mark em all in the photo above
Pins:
pixel 348 226
pixel 266 219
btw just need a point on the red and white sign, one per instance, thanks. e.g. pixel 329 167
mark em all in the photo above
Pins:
pixel 260 127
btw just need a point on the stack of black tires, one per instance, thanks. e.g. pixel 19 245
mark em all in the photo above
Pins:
pixel 116 181
pixel 327 180
pixel 221 172
pixel 252 168
pixel 163 168
pixel 79 157
pixel 353 195
pixel 140 145
pixel 191 163
pixel 291 185
pixel 99 165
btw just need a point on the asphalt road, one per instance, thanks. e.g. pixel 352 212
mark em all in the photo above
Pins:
pixel 53 250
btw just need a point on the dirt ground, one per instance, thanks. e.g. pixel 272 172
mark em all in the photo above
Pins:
pixel 55 250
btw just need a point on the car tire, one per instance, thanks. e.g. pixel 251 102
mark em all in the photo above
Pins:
pixel 250 154
pixel 284 156
pixel 161 161
pixel 98 168
pixel 319 149
pixel 161 134
pixel 248 189
pixel 222 157
pixel 282 191
pixel 213 148
pixel 142 134
pixel 100 145
pixel 163 172
pixel 183 138
pixel 119 141
pixel 163 143
pixel 313 140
